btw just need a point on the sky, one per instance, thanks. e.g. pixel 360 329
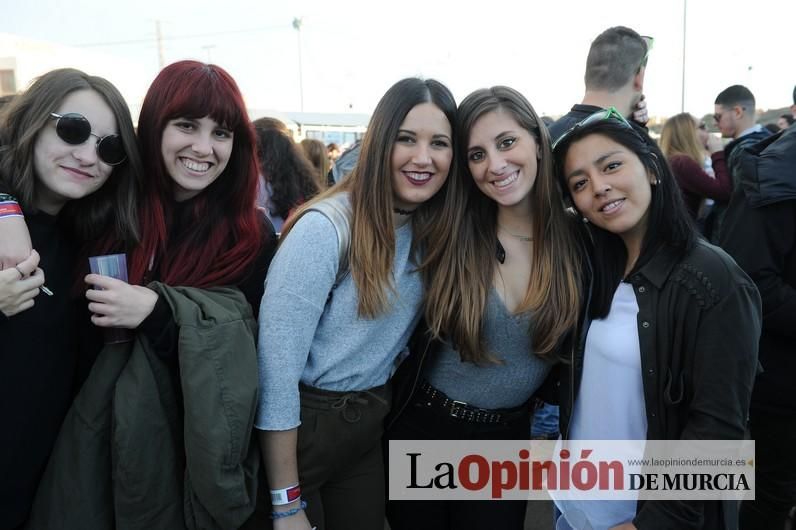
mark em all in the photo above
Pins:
pixel 352 51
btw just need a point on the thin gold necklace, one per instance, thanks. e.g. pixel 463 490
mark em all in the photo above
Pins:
pixel 527 239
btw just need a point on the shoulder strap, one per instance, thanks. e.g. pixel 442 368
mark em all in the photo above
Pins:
pixel 338 211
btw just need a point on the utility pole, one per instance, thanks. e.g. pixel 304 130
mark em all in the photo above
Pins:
pixel 682 88
pixel 159 38
pixel 297 26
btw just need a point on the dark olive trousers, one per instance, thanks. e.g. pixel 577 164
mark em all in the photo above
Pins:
pixel 340 457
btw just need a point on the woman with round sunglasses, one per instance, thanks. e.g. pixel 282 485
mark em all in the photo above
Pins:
pixel 687 145
pixel 331 329
pixel 668 346
pixel 69 164
pixel 508 296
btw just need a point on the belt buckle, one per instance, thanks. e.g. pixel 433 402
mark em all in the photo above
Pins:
pixel 458 409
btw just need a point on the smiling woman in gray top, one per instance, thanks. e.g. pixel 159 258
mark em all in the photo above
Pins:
pixel 330 329
pixel 508 294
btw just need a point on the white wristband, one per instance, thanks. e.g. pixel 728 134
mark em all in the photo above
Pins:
pixel 286 495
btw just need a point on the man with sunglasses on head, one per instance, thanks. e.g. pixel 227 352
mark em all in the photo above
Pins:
pixel 735 118
pixel 614 77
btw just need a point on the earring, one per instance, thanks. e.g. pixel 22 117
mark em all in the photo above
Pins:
pixel 585 220
pixel 655 182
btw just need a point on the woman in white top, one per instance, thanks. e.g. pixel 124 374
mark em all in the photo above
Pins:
pixel 668 349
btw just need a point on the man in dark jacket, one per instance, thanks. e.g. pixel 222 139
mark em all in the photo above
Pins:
pixel 760 233
pixel 614 77
pixel 735 118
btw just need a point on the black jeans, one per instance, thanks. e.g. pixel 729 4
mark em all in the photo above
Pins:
pixel 775 472
pixel 422 423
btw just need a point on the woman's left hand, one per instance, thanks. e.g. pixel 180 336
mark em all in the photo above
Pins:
pixel 117 304
pixel 624 526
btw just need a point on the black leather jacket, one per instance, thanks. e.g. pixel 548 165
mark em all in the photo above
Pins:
pixel 699 322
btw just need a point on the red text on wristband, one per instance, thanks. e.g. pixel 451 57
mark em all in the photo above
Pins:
pixel 286 495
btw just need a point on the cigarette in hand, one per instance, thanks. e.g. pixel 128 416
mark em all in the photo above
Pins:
pixel 46 291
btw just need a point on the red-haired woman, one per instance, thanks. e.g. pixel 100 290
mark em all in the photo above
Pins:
pixel 184 402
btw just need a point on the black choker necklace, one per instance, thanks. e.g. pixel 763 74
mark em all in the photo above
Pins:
pixel 399 211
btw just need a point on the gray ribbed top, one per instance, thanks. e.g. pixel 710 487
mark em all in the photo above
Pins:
pixel 492 386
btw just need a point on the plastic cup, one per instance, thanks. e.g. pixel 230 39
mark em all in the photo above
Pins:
pixel 113 266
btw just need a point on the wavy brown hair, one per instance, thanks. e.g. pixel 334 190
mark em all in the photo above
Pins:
pixel 369 185
pixel 462 250
pixel 292 177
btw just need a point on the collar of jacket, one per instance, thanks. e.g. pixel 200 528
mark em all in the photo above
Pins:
pixel 659 266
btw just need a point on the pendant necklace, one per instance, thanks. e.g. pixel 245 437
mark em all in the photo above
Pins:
pixel 527 239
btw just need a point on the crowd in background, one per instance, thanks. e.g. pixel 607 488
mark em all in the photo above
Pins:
pixel 281 310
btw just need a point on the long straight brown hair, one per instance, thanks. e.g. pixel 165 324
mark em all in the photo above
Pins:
pixel 372 249
pixel 462 249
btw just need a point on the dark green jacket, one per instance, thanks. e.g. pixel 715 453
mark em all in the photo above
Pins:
pixel 135 451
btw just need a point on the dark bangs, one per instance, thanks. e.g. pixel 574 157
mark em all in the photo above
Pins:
pixel 206 91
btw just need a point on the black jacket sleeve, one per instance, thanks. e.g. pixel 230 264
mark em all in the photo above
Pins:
pixel 762 240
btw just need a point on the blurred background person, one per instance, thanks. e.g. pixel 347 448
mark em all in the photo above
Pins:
pixel 734 114
pixel 785 121
pixel 697 161
pixel 288 177
pixel 273 123
pixel 333 152
pixel 315 152
pixel 345 163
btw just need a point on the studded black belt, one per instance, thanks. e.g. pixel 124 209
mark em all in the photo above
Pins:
pixel 431 397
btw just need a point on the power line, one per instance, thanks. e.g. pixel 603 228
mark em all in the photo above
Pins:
pixel 181 37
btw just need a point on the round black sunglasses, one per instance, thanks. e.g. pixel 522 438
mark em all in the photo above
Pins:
pixel 74 129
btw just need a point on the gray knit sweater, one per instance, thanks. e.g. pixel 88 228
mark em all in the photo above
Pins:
pixel 304 338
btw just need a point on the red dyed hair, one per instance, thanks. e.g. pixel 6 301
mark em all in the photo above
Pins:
pixel 226 231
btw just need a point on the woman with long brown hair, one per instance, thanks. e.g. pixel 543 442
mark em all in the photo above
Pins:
pixel 503 291
pixel 331 329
